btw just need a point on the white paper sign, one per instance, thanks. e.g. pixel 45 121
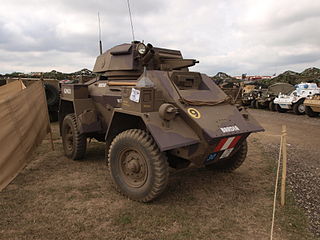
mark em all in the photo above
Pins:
pixel 135 95
pixel 102 84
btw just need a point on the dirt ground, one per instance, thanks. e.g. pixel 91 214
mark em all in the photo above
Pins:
pixel 56 198
pixel 303 157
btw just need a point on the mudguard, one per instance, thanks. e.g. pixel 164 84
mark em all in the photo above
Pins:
pixel 167 135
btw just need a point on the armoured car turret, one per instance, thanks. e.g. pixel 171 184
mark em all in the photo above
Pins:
pixel 153 113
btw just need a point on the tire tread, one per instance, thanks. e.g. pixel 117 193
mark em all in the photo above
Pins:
pixel 158 160
pixel 80 141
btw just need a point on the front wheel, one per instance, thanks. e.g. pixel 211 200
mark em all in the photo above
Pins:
pixel 137 167
pixel 253 104
pixel 299 108
pixel 272 106
pixel 232 163
pixel 310 112
pixel 257 105
pixel 74 143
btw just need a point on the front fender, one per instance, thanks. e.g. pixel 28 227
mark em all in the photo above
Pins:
pixel 170 135
pixel 167 135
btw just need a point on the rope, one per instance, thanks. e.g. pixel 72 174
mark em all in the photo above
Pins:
pixel 276 189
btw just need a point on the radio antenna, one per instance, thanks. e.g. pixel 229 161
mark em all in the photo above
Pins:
pixel 133 38
pixel 100 42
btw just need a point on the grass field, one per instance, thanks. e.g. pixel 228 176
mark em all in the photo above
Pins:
pixel 56 198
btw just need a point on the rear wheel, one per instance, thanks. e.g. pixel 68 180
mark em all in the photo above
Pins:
pixel 272 106
pixel 310 112
pixel 279 109
pixel 52 94
pixel 74 143
pixel 299 108
pixel 232 163
pixel 137 167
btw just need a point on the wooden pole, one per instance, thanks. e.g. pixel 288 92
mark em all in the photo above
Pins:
pixel 50 130
pixel 284 164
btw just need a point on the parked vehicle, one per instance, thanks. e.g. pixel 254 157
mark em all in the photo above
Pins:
pixel 251 98
pixel 153 113
pixel 294 101
pixel 312 105
pixel 265 99
pixel 249 93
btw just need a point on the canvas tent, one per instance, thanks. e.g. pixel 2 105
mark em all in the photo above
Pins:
pixel 23 124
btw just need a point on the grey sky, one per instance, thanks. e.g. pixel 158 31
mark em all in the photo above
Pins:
pixel 234 36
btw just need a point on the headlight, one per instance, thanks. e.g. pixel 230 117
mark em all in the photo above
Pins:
pixel 142 49
pixel 167 111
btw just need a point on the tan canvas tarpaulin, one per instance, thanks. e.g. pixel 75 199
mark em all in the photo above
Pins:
pixel 23 124
pixel 11 89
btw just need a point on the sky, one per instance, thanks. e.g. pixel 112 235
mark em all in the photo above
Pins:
pixel 233 36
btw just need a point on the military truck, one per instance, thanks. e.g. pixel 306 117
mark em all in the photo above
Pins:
pixel 152 113
pixel 265 99
pixel 248 94
pixel 249 98
pixel 312 105
pixel 294 101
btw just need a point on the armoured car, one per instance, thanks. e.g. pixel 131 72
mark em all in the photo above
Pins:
pixel 152 113
pixel 294 101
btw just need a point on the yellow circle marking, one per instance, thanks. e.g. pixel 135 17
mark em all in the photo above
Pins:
pixel 194 113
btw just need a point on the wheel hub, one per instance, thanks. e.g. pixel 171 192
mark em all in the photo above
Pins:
pixel 301 108
pixel 133 168
pixel 69 138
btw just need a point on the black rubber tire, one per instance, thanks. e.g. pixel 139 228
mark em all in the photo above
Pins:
pixel 74 143
pixel 257 105
pixel 297 107
pixel 232 163
pixel 52 94
pixel 279 109
pixel 253 104
pixel 272 106
pixel 310 112
pixel 155 163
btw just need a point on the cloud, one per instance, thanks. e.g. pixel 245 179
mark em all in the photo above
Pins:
pixel 250 36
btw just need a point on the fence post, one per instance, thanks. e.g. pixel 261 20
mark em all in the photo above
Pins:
pixel 284 165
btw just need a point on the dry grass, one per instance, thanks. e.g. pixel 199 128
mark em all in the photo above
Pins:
pixel 56 198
